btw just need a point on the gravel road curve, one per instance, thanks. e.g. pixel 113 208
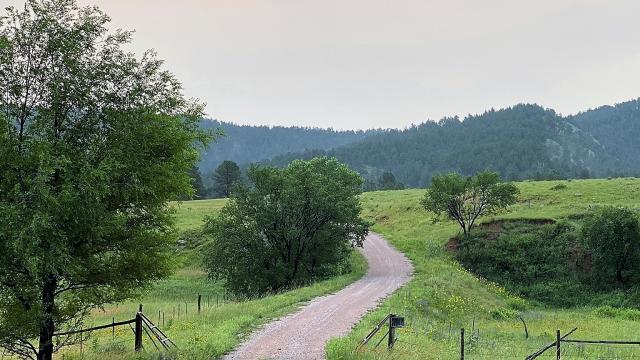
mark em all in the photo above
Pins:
pixel 303 334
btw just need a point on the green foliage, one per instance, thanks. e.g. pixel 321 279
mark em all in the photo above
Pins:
pixel 613 237
pixel 555 263
pixel 226 176
pixel 558 187
pixel 94 142
pixel 465 199
pixel 529 258
pixel 245 144
pixel 622 313
pixel 444 293
pixel 197 190
pixel 520 142
pixel 387 181
pixel 291 226
pixel 196 181
pixel 617 128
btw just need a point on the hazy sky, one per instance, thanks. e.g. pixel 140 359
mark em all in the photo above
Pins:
pixel 372 63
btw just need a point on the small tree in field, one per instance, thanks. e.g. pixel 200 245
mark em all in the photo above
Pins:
pixel 465 199
pixel 612 236
pixel 293 225
pixel 94 142
pixel 226 175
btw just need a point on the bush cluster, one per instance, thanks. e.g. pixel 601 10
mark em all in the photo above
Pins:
pixel 590 261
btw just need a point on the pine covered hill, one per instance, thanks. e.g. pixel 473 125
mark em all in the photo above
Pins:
pixel 617 129
pixel 245 144
pixel 521 142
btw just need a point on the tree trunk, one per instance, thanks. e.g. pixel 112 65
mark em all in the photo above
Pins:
pixel 47 326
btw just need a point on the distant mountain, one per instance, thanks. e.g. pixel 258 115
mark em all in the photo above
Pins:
pixel 246 144
pixel 521 142
pixel 525 141
pixel 617 129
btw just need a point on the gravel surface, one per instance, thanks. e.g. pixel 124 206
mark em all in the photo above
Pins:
pixel 303 334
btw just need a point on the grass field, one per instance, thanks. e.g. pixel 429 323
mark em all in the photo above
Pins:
pixel 443 297
pixel 221 323
pixel 190 214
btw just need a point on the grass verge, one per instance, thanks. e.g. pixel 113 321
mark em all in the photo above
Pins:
pixel 443 296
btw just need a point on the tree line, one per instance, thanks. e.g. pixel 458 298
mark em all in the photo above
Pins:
pixel 520 142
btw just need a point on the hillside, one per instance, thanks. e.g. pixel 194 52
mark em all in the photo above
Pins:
pixel 520 142
pixel 442 297
pixel 445 296
pixel 525 141
pixel 617 129
pixel 246 144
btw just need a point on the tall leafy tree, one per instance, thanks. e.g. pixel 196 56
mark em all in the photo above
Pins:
pixel 93 143
pixel 612 236
pixel 225 177
pixel 291 226
pixel 199 190
pixel 465 199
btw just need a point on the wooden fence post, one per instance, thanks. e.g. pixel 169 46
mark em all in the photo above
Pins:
pixel 558 344
pixel 199 299
pixel 113 328
pixel 138 332
pixel 462 344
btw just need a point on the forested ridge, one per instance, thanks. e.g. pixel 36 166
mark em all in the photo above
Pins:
pixel 525 141
pixel 246 144
pixel 617 128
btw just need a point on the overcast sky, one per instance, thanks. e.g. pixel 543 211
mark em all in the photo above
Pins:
pixel 370 63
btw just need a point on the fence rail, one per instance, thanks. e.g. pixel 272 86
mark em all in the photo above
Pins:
pixel 142 325
pixel 555 343
pixel 107 326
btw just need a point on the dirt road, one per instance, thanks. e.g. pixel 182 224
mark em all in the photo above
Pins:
pixel 302 335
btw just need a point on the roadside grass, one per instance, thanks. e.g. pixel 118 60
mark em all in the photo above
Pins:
pixel 221 324
pixel 443 296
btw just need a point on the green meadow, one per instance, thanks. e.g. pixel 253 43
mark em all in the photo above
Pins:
pixel 172 304
pixel 442 297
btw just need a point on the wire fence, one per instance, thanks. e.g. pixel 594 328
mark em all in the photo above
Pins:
pixel 451 343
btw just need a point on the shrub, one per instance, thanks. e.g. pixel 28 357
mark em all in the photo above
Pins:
pixel 559 187
pixel 191 239
pixel 612 235
pixel 503 314
pixel 620 313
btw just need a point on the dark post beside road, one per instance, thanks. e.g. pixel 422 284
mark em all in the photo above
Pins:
pixel 462 344
pixel 558 339
pixel 138 330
